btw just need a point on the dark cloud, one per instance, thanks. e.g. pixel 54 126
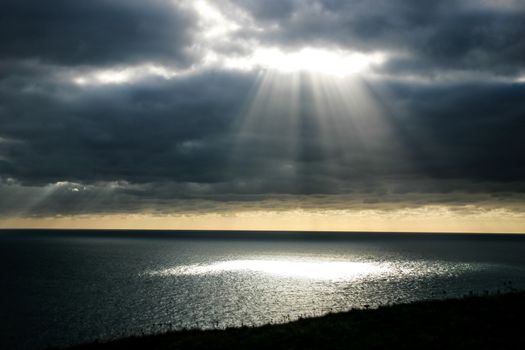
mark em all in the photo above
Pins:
pixel 156 130
pixel 430 37
pixel 95 32
pixel 186 130
pixel 196 142
pixel 470 131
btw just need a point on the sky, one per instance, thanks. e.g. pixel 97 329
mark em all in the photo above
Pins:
pixel 356 115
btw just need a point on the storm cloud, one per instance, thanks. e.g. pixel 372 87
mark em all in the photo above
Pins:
pixel 169 106
pixel 100 32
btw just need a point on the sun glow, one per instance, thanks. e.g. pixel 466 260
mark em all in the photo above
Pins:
pixel 316 60
pixel 219 27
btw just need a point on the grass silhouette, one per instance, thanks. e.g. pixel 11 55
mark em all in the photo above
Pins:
pixel 472 322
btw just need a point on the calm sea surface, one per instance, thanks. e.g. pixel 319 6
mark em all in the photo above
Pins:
pixel 64 287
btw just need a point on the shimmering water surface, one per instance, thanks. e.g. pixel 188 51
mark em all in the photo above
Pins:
pixel 64 287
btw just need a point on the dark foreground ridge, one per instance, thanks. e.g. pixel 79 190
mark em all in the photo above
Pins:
pixel 476 322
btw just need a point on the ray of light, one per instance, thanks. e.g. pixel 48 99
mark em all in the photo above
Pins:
pixel 36 201
pixel 322 127
pixel 33 197
pixel 266 135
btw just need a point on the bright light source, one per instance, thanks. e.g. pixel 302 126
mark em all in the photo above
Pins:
pixel 314 60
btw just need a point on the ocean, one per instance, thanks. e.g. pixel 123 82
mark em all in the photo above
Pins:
pixel 62 287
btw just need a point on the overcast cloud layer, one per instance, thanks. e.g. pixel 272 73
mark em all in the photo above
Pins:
pixel 126 105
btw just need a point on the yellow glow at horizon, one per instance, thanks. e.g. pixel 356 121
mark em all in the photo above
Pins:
pixel 423 219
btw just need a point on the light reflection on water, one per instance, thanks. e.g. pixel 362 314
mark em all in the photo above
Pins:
pixel 258 289
pixel 320 269
pixel 69 290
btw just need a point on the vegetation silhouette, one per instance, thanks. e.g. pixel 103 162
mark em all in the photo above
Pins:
pixel 472 322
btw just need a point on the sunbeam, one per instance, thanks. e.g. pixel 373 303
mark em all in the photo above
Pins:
pixel 213 107
pixel 298 126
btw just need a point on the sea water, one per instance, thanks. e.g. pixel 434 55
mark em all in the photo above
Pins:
pixel 68 287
